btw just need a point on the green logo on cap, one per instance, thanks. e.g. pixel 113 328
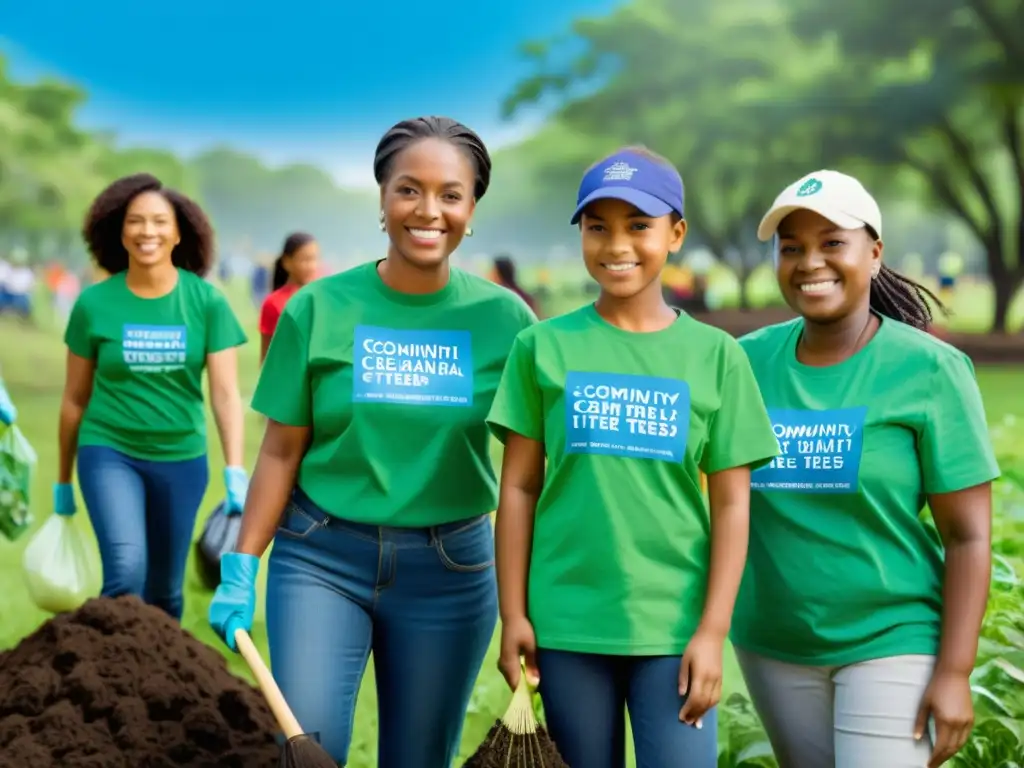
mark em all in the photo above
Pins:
pixel 808 188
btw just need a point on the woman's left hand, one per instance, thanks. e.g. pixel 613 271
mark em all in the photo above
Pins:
pixel 947 700
pixel 236 483
pixel 700 676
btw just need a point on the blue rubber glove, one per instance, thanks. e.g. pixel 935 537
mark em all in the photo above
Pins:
pixel 63 499
pixel 234 602
pixel 8 413
pixel 236 482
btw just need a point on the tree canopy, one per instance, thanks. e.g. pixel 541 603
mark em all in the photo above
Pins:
pixel 744 96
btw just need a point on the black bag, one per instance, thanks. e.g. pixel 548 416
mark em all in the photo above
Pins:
pixel 220 535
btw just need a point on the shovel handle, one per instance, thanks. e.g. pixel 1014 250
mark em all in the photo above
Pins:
pixel 275 699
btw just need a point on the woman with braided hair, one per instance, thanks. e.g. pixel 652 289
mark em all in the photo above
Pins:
pixel 858 619
pixel 374 479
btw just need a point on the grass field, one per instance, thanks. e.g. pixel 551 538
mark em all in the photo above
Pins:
pixel 31 362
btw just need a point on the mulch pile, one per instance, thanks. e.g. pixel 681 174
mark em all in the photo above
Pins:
pixel 118 684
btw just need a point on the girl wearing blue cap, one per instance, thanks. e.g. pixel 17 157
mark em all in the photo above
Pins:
pixel 857 623
pixel 610 565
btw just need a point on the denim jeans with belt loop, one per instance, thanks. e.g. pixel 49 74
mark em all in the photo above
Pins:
pixel 423 601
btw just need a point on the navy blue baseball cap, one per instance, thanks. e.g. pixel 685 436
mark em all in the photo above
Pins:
pixel 653 188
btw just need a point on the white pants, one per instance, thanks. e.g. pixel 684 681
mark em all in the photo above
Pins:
pixel 857 716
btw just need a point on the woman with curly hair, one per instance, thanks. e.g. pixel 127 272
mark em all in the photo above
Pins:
pixel 132 412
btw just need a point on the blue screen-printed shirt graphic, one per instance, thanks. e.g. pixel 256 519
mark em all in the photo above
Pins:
pixel 154 348
pixel 819 451
pixel 618 414
pixel 414 367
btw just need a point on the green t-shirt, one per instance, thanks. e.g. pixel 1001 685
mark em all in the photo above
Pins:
pixel 147 396
pixel 395 388
pixel 842 568
pixel 621 536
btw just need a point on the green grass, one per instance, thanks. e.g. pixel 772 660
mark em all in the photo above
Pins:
pixel 31 362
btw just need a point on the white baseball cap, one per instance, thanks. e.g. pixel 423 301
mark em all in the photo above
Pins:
pixel 839 198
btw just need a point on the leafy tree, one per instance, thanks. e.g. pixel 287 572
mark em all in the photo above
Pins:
pixel 683 79
pixel 256 206
pixel 165 165
pixel 47 165
pixel 939 90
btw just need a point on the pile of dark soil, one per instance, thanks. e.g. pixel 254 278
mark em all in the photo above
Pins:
pixel 118 684
pixel 502 748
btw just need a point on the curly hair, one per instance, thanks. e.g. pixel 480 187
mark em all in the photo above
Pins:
pixel 104 224
pixel 406 133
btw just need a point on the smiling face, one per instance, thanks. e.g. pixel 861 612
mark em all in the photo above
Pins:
pixel 428 201
pixel 625 250
pixel 302 266
pixel 825 272
pixel 150 230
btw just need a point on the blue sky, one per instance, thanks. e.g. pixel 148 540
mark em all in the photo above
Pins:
pixel 307 80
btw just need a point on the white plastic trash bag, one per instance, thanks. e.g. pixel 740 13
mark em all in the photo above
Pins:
pixel 60 565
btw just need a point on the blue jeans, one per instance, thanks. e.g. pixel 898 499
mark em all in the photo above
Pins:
pixel 143 514
pixel 422 600
pixel 585 700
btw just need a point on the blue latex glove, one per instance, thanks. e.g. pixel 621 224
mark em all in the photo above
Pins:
pixel 63 499
pixel 234 602
pixel 8 413
pixel 236 482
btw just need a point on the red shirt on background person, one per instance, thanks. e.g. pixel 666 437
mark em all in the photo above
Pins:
pixel 298 265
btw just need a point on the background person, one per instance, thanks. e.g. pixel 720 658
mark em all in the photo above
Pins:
pixel 616 581
pixel 857 624
pixel 19 286
pixel 132 413
pixel 298 265
pixel 504 274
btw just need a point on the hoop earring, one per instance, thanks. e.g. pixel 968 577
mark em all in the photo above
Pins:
pixel 469 231
pixel 380 222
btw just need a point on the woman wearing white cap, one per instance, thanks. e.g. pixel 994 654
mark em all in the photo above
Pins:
pixel 857 623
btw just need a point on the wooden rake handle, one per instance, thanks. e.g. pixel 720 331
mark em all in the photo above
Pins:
pixel 275 699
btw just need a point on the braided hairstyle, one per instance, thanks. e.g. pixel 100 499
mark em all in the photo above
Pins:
pixel 898 297
pixel 406 133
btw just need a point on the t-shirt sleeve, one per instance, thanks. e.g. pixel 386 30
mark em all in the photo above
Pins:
pixel 741 432
pixel 78 334
pixel 270 313
pixel 517 405
pixel 955 448
pixel 223 331
pixel 527 315
pixel 283 390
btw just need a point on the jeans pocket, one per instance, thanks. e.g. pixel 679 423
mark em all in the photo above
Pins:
pixel 468 549
pixel 297 523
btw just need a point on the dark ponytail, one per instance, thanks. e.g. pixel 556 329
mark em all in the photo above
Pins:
pixel 292 243
pixel 899 298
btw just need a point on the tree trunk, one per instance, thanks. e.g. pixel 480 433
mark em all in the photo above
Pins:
pixel 1005 290
pixel 743 278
